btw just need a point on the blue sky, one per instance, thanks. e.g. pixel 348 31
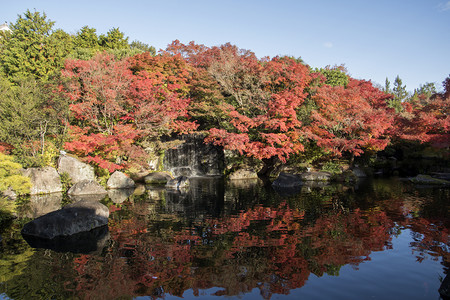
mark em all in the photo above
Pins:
pixel 374 39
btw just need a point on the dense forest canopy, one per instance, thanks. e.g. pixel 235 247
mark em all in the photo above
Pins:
pixel 107 99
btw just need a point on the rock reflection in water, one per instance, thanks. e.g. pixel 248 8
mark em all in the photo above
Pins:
pixel 89 242
pixel 40 205
pixel 87 197
pixel 119 195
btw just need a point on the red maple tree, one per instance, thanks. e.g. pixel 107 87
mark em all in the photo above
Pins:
pixel 350 119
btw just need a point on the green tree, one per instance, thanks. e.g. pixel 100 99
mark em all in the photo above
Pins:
pixel 63 45
pixel 31 49
pixel 114 39
pixel 424 93
pixel 87 38
pixel 143 47
pixel 29 115
pixel 387 86
pixel 400 95
pixel 86 44
pixel 335 76
pixel 399 90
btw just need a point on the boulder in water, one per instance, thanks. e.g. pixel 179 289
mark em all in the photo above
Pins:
pixel 286 180
pixel 428 180
pixel 76 169
pixel 73 218
pixel 157 178
pixel 43 180
pixel 315 176
pixel 119 180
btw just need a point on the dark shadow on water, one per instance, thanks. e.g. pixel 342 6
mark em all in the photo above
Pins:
pixel 84 242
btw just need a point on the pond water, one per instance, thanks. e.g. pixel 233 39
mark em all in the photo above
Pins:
pixel 380 239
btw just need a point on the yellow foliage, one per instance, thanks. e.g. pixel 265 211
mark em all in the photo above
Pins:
pixel 10 176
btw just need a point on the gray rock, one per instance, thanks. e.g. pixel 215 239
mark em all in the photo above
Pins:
pixel 86 187
pixel 119 180
pixel 181 182
pixel 157 178
pixel 245 173
pixel 73 218
pixel 76 169
pixel 43 180
pixel 315 176
pixel 286 180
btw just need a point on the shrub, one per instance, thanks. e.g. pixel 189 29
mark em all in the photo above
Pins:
pixel 10 176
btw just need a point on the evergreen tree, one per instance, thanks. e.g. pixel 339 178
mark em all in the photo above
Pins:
pixel 114 39
pixel 399 90
pixel 143 47
pixel 87 38
pixel 387 86
pixel 32 49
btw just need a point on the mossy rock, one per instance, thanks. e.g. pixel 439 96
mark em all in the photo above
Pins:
pixel 157 178
pixel 428 180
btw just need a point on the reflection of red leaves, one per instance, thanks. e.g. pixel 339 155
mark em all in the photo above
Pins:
pixel 220 252
pixel 114 208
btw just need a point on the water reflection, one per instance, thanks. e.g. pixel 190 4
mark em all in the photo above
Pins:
pixel 119 195
pixel 43 204
pixel 237 238
pixel 90 242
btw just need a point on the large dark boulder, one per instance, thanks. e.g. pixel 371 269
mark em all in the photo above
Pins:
pixel 73 218
pixel 286 180
pixel 43 180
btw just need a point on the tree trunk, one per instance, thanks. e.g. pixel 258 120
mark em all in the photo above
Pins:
pixel 267 169
pixel 352 161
